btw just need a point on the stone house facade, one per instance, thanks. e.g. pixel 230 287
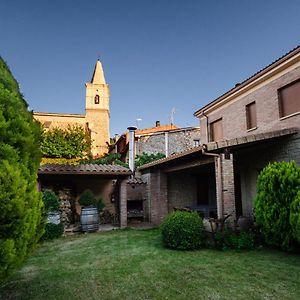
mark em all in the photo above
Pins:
pixel 254 123
pixel 167 139
pixel 96 117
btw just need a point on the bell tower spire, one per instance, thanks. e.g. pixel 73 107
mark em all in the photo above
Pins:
pixel 97 110
pixel 98 75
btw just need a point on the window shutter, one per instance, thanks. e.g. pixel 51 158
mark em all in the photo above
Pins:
pixel 251 115
pixel 216 130
pixel 289 98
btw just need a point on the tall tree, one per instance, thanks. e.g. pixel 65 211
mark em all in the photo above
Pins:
pixel 21 223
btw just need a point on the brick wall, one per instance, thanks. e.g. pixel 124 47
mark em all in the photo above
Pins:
pixel 267 108
pixel 182 190
pixel 157 195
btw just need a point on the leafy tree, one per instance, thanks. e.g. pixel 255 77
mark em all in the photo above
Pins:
pixel 72 142
pixel 277 187
pixel 21 223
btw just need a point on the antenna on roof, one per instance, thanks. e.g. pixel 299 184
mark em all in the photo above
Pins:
pixel 137 122
pixel 98 56
pixel 171 118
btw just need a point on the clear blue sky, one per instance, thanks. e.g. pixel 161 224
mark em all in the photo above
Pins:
pixel 157 54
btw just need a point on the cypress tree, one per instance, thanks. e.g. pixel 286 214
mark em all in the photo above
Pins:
pixel 21 222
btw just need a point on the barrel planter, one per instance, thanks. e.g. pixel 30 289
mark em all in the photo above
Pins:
pixel 89 219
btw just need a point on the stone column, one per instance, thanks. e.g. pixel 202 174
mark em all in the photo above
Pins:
pixel 123 204
pixel 225 186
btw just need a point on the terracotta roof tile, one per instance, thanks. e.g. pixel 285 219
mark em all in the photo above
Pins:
pixel 92 169
pixel 166 127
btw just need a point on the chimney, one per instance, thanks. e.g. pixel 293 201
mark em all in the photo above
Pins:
pixel 131 130
pixel 157 123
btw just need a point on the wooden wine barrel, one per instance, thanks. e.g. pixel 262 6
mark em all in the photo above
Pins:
pixel 89 219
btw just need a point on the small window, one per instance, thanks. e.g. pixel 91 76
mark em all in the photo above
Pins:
pixel 289 99
pixel 251 115
pixel 216 130
pixel 97 99
pixel 196 143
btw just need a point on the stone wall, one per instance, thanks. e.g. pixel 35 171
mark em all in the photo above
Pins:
pixel 177 141
pixel 157 195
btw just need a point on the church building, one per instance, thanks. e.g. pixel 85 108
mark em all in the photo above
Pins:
pixel 96 117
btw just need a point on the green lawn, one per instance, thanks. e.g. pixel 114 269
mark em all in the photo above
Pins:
pixel 132 264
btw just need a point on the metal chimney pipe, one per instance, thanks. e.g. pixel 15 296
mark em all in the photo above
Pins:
pixel 131 130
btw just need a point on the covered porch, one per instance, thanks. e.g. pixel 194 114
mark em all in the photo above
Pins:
pixel 217 179
pixel 69 181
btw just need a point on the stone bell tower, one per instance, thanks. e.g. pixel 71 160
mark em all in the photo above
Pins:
pixel 97 111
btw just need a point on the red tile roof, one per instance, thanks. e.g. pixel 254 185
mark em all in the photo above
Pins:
pixel 161 128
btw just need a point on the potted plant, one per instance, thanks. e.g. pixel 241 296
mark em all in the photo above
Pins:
pixel 89 217
pixel 54 228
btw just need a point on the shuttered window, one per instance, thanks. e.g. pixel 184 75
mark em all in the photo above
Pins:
pixel 216 130
pixel 289 99
pixel 251 115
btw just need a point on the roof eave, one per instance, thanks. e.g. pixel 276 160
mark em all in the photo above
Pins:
pixel 249 80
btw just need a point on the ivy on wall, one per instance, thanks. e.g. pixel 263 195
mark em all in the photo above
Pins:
pixel 72 142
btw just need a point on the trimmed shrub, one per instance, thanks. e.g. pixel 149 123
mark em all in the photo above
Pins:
pixel 53 231
pixel 87 198
pixel 183 231
pixel 277 187
pixel 21 222
pixel 295 217
pixel 51 201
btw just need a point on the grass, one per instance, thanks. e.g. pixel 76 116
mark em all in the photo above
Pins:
pixel 132 264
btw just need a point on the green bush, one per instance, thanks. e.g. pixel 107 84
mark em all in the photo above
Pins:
pixel 146 158
pixel 243 240
pixel 277 187
pixel 51 201
pixel 53 231
pixel 183 231
pixel 21 222
pixel 87 198
pixel 107 159
pixel 295 217
pixel 230 239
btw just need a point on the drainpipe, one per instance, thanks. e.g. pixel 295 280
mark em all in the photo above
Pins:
pixel 131 129
pixel 220 185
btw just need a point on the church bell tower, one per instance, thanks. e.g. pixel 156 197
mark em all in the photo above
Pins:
pixel 97 111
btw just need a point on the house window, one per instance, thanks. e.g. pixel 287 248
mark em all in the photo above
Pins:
pixel 251 115
pixel 196 143
pixel 97 99
pixel 289 99
pixel 216 130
